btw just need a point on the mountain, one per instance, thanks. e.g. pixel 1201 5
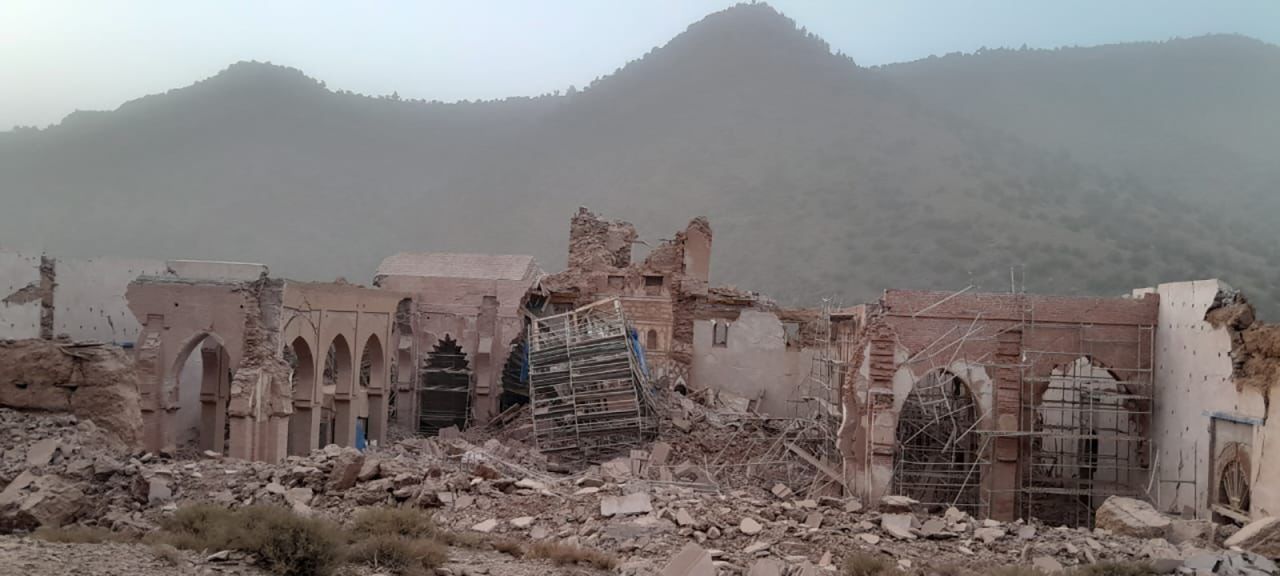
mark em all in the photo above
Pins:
pixel 820 177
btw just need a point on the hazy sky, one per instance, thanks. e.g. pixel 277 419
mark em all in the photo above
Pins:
pixel 57 56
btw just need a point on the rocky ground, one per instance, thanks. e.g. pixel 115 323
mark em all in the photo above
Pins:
pixel 57 470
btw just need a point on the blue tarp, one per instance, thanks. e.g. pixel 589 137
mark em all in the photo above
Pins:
pixel 634 338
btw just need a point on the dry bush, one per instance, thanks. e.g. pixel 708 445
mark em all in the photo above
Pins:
pixel 168 554
pixel 289 544
pixel 864 564
pixel 283 541
pixel 564 554
pixel 199 527
pixel 404 522
pixel 508 546
pixel 463 539
pixel 1114 569
pixel 398 554
pixel 81 535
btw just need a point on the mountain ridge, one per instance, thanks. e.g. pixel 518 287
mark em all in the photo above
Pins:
pixel 819 176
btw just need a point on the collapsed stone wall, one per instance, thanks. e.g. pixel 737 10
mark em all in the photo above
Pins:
pixel 600 249
pixel 260 389
pixel 95 382
pixel 1255 345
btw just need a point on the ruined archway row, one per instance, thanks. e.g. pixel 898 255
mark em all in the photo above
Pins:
pixel 1028 403
pixel 286 367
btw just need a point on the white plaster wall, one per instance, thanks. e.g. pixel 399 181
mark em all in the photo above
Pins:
pixel 756 362
pixel 89 299
pixel 18 270
pixel 1192 384
pixel 1266 463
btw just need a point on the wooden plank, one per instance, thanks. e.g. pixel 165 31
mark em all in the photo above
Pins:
pixel 807 457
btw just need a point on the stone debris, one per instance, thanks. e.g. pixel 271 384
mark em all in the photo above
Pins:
pixel 1131 517
pixel 692 560
pixel 898 526
pixel 484 485
pixel 522 522
pixel 767 567
pixel 1261 536
pixel 628 505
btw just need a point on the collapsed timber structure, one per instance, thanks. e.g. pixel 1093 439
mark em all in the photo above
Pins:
pixel 588 384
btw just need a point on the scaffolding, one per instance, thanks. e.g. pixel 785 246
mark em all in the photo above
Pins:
pixel 938 449
pixel 1084 428
pixel 588 392
pixel 817 401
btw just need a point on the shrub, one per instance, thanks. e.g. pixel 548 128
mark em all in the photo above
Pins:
pixel 463 539
pixel 284 542
pixel 398 554
pixel 80 535
pixel 864 564
pixel 509 546
pixel 564 554
pixel 200 527
pixel 289 544
pixel 393 522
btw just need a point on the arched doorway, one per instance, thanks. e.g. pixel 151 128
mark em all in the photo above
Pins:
pixel 371 399
pixel 339 420
pixel 201 388
pixel 1086 444
pixel 302 366
pixel 936 459
pixel 445 395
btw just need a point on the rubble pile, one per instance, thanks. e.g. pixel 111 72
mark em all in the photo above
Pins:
pixel 58 469
pixel 92 380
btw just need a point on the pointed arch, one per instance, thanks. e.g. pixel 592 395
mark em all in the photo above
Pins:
pixel 937 454
pixel 303 383
pixel 201 419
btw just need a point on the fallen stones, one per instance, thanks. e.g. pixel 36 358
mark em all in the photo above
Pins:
pixel 522 522
pixel 898 526
pixel 486 526
pixel 749 526
pixel 158 491
pixel 1047 564
pixel 299 499
pixel 988 535
pixel 631 504
pixel 347 463
pixel 41 453
pixel 683 518
pixel 897 503
pixel 1261 536
pixel 369 470
pixel 54 502
pixel 1131 517
pixel 767 567
pixel 692 560
pixel 781 491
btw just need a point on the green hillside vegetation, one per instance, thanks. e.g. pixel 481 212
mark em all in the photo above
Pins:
pixel 1090 170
